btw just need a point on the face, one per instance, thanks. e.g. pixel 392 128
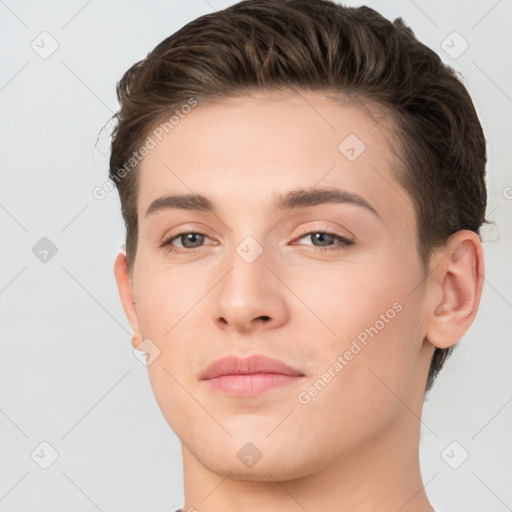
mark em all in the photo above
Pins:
pixel 329 284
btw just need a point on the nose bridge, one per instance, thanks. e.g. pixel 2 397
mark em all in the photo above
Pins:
pixel 248 264
pixel 248 247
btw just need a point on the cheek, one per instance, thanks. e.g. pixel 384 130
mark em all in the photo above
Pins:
pixel 353 395
pixel 370 338
pixel 163 296
pixel 343 300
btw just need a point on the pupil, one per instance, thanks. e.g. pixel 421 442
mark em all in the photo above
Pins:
pixel 322 236
pixel 189 238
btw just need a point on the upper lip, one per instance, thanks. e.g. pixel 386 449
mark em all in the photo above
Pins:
pixel 234 365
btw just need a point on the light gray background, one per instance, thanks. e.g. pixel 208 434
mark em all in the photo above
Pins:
pixel 67 372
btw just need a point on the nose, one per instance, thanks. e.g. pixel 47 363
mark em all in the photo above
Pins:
pixel 250 296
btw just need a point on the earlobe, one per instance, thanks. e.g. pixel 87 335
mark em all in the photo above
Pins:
pixel 459 282
pixel 124 286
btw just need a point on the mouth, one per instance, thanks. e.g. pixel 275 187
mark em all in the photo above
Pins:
pixel 251 376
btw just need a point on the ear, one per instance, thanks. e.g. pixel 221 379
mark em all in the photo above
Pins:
pixel 456 288
pixel 124 286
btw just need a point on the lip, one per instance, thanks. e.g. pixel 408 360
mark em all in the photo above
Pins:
pixel 249 376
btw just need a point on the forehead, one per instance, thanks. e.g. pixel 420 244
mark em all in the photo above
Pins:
pixel 250 147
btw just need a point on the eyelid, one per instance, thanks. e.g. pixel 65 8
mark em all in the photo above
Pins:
pixel 343 243
pixel 322 229
pixel 166 243
pixel 171 234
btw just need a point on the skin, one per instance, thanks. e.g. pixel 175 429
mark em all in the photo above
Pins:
pixel 354 445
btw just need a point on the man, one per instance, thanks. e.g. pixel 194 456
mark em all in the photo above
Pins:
pixel 303 187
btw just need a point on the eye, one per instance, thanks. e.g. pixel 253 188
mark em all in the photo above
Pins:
pixel 189 240
pixel 325 238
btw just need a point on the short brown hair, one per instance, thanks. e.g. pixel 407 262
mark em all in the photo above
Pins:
pixel 318 45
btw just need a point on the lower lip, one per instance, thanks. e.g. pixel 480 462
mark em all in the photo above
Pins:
pixel 250 385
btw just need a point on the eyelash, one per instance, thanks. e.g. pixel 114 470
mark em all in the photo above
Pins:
pixel 344 243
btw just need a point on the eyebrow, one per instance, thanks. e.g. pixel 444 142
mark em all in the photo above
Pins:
pixel 294 199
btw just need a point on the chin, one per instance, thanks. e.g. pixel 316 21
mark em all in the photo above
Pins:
pixel 262 461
